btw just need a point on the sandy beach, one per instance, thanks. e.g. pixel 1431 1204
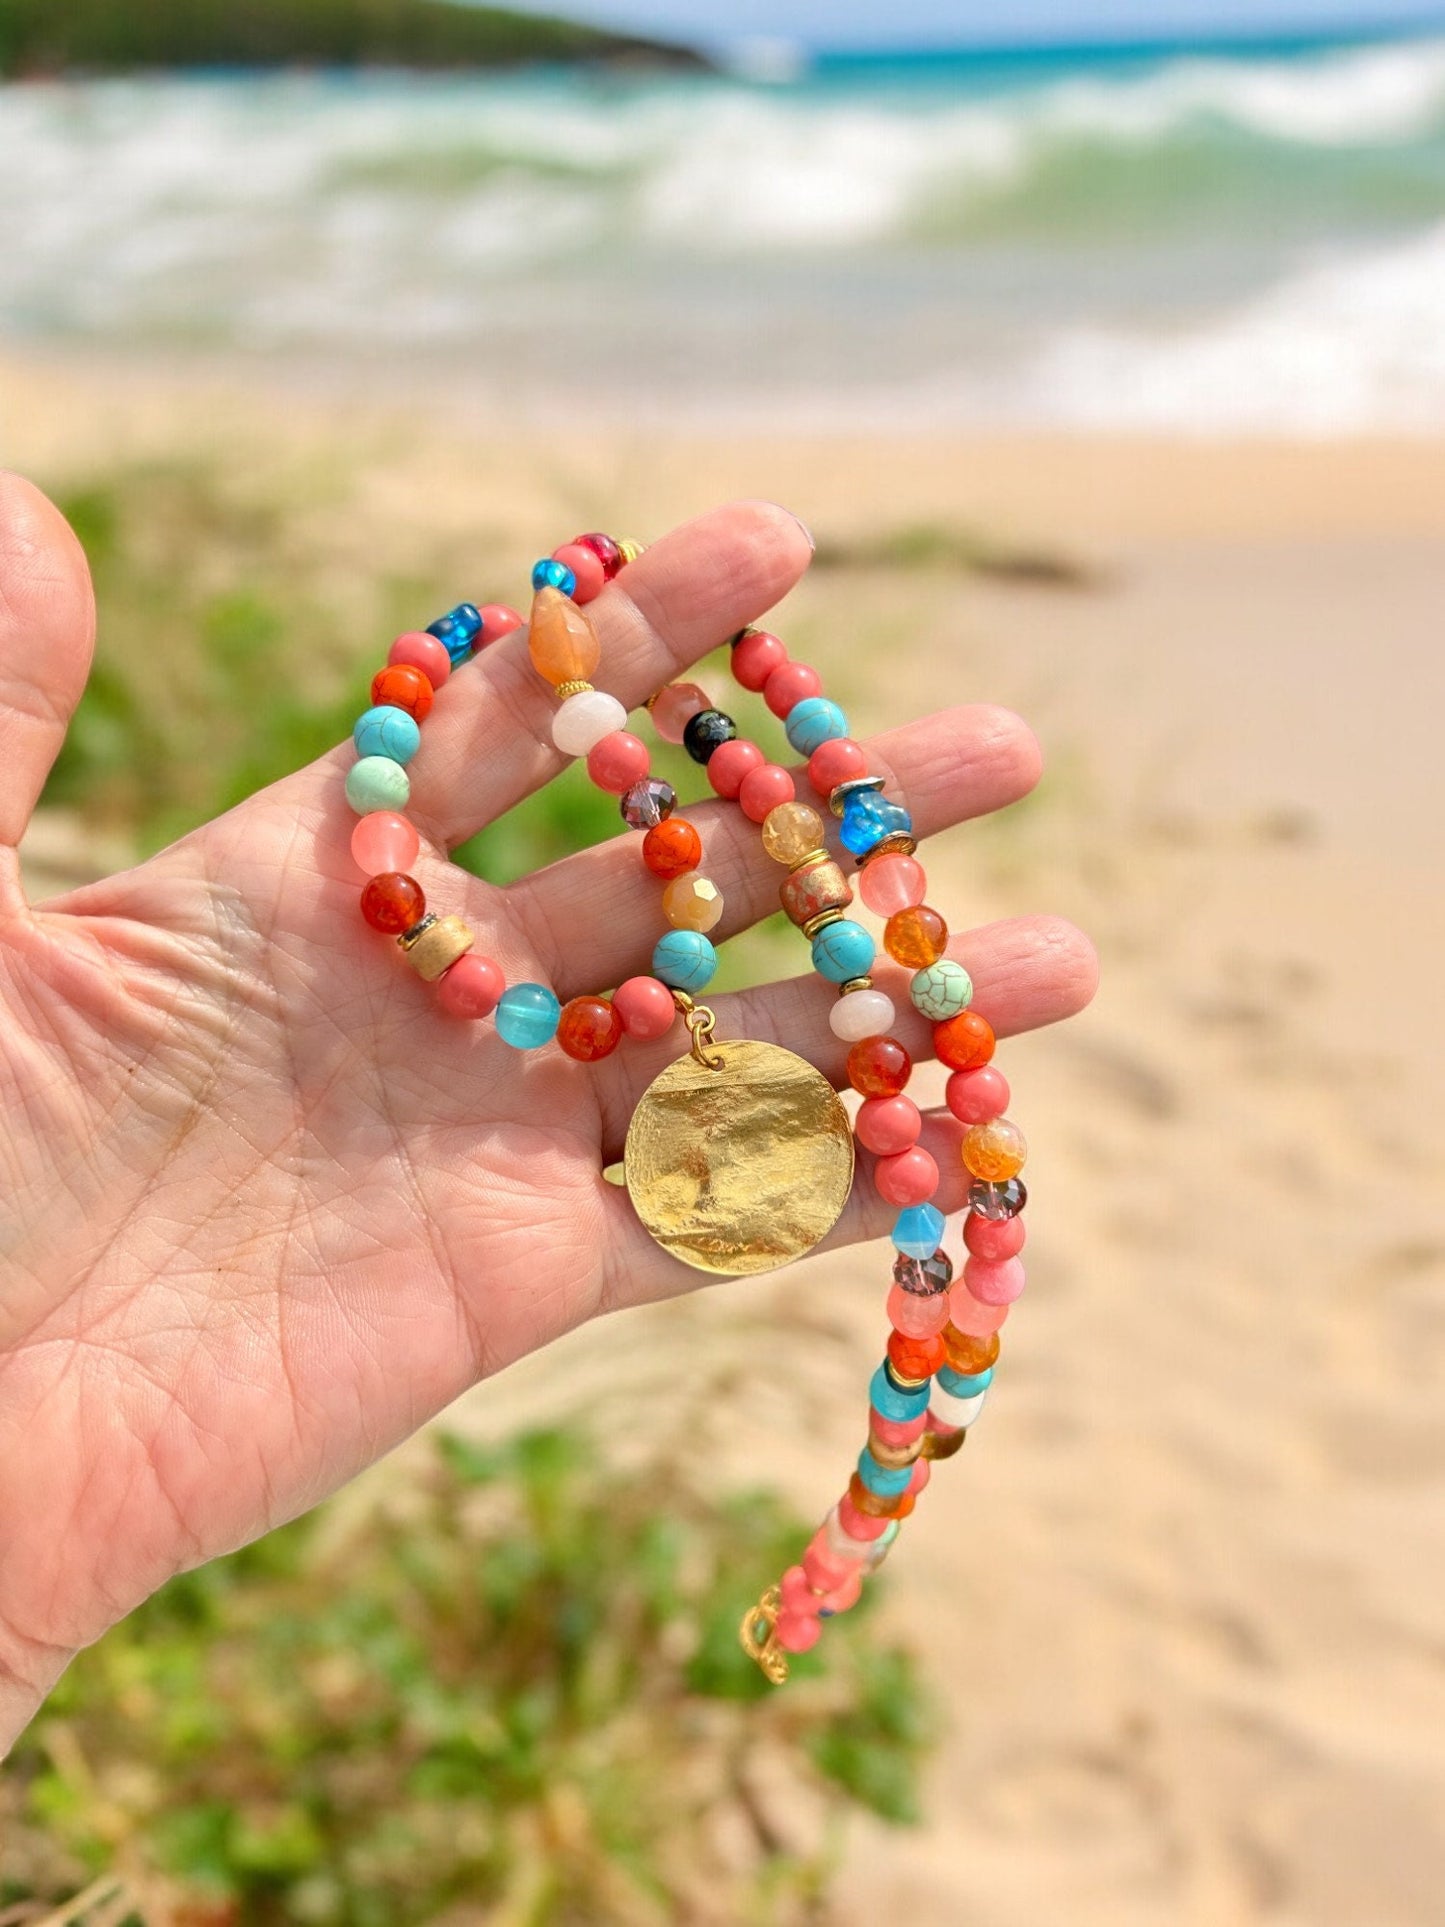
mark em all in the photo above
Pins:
pixel 1181 1597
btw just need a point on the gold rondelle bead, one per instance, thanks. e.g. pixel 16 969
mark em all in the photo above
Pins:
pixel 814 924
pixel 574 688
pixel 628 549
pixel 855 983
pixel 437 947
pixel 899 844
pixel 942 1445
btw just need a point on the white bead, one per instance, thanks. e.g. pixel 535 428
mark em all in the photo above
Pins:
pixel 582 721
pixel 862 1013
pixel 951 1410
pixel 842 1543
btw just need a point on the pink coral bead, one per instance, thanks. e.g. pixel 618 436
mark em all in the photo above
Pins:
pixel 797 1594
pixel 888 1124
pixel 916 1317
pixel 968 1315
pixel 497 621
pixel 423 652
pixel 472 987
pixel 909 1178
pixel 823 1566
pixel 839 761
pixel 994 1284
pixel 922 1472
pixel 788 685
pixel 839 1598
pixel 383 840
pixel 763 789
pixel 618 761
pixel 798 1632
pixel 976 1097
pixel 586 565
pixel 645 1007
pixel 896 1431
pixel 731 764
pixel 892 883
pixel 994 1238
pixel 756 657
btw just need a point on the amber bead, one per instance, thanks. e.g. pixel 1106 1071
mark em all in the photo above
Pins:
pixel 671 848
pixel 967 1355
pixel 393 902
pixel 963 1042
pixel 916 937
pixel 403 686
pixel 561 640
pixel 995 1151
pixel 879 1067
pixel 942 1445
pixel 916 1358
pixel 874 1505
pixel 589 1028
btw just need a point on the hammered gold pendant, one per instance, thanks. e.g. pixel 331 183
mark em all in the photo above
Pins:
pixel 739 1157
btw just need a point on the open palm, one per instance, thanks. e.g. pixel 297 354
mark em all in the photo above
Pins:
pixel 265 1209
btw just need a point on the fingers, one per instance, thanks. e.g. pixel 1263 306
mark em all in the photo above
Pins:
pixel 47 632
pixel 488 742
pixel 958 764
pixel 1027 972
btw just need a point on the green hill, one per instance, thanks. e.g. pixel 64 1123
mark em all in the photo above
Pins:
pixel 100 36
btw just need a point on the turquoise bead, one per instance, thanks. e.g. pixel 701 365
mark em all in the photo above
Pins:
pixel 918 1230
pixel 964 1384
pixel 843 950
pixel 384 730
pixel 377 783
pixel 885 1397
pixel 942 990
pixel 684 960
pixel 527 1016
pixel 813 722
pixel 886 1480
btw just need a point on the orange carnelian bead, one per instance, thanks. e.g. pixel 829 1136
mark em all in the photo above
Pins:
pixel 589 1028
pixel 879 1067
pixel 671 848
pixel 963 1042
pixel 967 1355
pixel 873 1505
pixel 995 1151
pixel 404 686
pixel 561 640
pixel 916 937
pixel 916 1358
pixel 393 902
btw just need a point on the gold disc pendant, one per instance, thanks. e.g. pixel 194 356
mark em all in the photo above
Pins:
pixel 739 1158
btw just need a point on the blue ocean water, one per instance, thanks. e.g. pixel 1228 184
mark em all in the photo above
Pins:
pixel 1220 240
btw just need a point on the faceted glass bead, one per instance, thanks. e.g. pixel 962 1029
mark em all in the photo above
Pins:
pixel 963 1042
pixel 393 902
pixel 692 902
pixel 672 848
pixel 879 1067
pixel 791 832
pixel 675 708
pixel 969 1353
pixel 384 840
pixel 403 686
pixel 995 1151
pixel 997 1201
pixel 589 1028
pixel 915 937
pixel 561 640
pixel 892 883
pixel 917 1230
pixel 924 1277
pixel 708 730
pixel 648 803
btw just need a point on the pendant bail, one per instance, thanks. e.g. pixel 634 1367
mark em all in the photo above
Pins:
pixel 758 1636
pixel 701 1024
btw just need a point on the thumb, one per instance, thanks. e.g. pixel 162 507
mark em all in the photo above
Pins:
pixel 47 633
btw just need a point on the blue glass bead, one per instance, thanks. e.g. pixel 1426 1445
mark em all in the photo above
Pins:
pixel 868 818
pixel 457 629
pixel 551 574
pixel 813 722
pixel 886 1480
pixel 843 950
pixel 377 783
pixel 885 1397
pixel 684 960
pixel 918 1230
pixel 964 1384
pixel 384 730
pixel 527 1016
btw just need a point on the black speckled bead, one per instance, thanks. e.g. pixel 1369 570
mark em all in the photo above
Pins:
pixel 708 730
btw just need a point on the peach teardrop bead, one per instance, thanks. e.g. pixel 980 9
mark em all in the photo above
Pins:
pixel 560 640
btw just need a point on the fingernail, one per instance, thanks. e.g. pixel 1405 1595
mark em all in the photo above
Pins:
pixel 800 522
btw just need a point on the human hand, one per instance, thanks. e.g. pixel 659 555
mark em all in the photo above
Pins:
pixel 266 1209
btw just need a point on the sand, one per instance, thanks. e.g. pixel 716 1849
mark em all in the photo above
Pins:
pixel 1183 1596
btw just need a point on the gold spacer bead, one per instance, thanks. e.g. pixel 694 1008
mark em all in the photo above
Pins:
pixel 855 983
pixel 942 1445
pixel 574 688
pixel 806 862
pixel 855 786
pixel 435 945
pixel 814 924
pixel 630 550
pixel 899 844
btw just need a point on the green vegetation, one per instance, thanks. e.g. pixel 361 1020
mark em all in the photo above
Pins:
pixel 933 545
pixel 514 1691
pixel 41 37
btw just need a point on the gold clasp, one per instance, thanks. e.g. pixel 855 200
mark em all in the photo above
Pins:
pixel 701 1023
pixel 758 1636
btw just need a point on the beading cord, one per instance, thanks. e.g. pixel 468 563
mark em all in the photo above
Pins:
pixel 944 1341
